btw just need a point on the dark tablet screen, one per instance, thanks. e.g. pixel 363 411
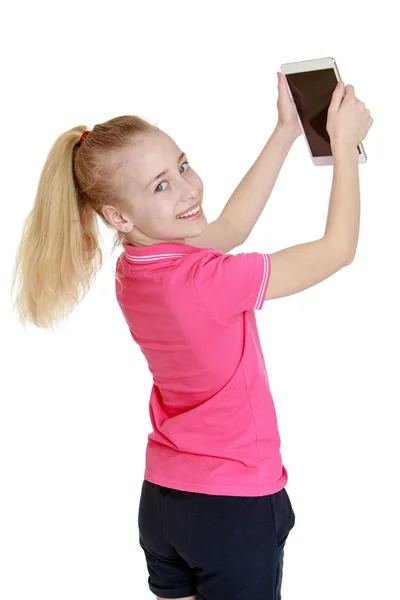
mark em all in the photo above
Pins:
pixel 312 92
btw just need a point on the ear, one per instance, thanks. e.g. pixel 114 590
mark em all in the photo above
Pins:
pixel 115 219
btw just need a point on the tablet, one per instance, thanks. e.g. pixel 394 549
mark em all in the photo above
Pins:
pixel 311 84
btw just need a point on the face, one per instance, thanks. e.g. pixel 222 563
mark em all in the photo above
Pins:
pixel 153 202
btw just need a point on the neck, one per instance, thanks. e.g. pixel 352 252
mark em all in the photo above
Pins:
pixel 140 239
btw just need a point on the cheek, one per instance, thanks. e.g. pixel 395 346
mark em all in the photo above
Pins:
pixel 160 210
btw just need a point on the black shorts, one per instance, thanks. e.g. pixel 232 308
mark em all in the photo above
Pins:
pixel 214 547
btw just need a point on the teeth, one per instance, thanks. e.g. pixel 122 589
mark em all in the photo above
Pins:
pixel 190 212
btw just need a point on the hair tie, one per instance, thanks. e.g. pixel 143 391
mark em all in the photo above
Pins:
pixel 83 136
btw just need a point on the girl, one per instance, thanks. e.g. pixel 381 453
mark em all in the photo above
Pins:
pixel 214 514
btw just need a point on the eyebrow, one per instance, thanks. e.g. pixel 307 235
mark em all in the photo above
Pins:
pixel 164 172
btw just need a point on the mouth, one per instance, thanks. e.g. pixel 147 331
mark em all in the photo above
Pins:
pixel 194 211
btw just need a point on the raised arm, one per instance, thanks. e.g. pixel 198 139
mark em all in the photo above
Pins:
pixel 300 267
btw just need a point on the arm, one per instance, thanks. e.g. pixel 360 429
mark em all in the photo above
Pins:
pixel 247 202
pixel 300 267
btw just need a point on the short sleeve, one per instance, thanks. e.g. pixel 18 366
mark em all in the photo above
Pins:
pixel 230 284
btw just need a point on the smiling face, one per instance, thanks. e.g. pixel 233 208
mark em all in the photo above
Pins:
pixel 157 184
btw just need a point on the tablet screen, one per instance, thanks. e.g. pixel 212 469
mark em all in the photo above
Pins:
pixel 312 92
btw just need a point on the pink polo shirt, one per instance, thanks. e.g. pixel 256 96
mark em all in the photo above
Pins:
pixel 191 310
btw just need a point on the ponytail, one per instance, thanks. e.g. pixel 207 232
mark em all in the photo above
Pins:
pixel 59 255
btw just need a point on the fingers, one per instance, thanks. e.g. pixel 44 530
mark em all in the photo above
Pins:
pixel 337 97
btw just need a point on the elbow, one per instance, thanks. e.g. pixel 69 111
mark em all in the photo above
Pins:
pixel 349 257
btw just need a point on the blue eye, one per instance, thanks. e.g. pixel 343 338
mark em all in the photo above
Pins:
pixel 157 190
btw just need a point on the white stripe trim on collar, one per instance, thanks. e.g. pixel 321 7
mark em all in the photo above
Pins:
pixel 152 258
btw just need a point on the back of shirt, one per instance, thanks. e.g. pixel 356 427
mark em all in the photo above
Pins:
pixel 191 310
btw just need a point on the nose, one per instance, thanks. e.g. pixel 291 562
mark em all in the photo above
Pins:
pixel 189 192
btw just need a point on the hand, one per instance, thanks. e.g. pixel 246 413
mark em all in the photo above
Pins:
pixel 287 111
pixel 348 119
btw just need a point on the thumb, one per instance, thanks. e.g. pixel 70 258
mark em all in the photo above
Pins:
pixel 337 97
pixel 281 79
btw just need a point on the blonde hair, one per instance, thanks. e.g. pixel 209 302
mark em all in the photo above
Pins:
pixel 59 254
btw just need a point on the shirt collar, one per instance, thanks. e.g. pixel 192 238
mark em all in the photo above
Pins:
pixel 158 252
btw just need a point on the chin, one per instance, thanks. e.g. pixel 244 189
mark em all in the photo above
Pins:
pixel 198 231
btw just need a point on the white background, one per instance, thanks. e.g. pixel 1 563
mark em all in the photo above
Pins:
pixel 74 405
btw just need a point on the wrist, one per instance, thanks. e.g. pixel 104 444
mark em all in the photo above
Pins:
pixel 287 133
pixel 343 147
pixel 345 153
